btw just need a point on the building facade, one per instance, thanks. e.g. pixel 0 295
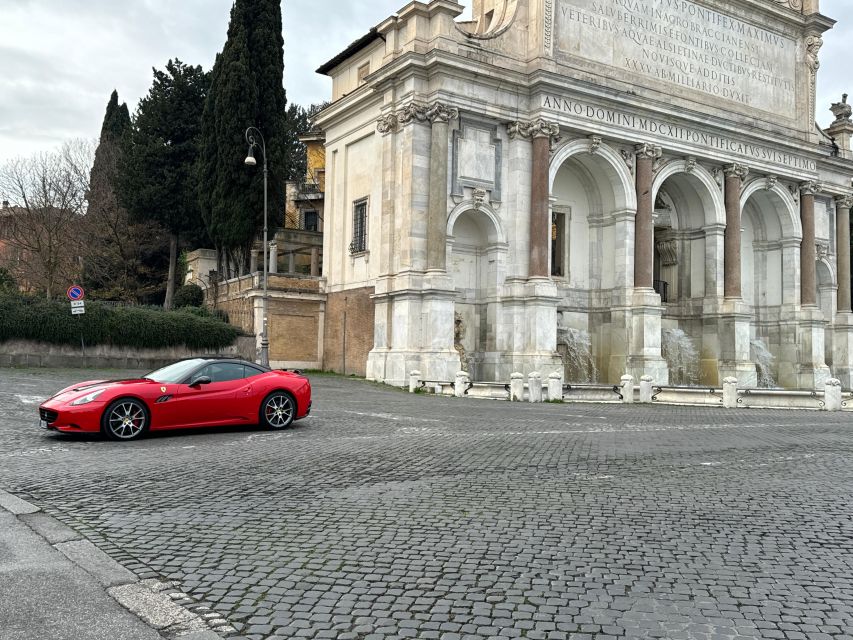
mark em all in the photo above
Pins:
pixel 620 169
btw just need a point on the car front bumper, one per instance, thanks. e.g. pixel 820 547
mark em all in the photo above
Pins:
pixel 59 416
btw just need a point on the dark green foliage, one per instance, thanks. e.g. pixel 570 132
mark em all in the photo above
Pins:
pixel 157 180
pixel 246 90
pixel 115 262
pixel 25 318
pixel 189 295
pixel 116 120
pixel 7 282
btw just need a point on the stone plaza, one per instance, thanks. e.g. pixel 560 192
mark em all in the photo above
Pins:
pixel 394 515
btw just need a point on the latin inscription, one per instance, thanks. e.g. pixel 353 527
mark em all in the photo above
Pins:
pixel 615 118
pixel 682 43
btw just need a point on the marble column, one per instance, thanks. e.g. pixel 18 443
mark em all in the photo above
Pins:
pixel 540 220
pixel 842 339
pixel 440 116
pixel 735 175
pixel 644 229
pixel 842 243
pixel 808 251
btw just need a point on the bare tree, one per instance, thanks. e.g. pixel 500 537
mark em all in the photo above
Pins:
pixel 42 222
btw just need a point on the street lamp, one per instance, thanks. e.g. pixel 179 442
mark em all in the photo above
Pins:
pixel 251 134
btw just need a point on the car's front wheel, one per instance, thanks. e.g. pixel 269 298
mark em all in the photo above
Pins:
pixel 278 410
pixel 125 419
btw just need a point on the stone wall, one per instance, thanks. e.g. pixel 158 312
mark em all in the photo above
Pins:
pixel 349 313
pixel 24 353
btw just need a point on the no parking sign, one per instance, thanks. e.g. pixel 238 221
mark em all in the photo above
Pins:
pixel 75 292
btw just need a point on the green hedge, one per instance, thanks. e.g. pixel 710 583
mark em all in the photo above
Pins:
pixel 25 318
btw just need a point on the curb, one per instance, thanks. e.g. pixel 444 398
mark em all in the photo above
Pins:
pixel 158 604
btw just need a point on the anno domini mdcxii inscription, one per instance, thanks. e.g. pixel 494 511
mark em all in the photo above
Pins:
pixel 683 43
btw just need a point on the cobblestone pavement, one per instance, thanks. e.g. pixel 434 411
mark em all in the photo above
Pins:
pixel 389 515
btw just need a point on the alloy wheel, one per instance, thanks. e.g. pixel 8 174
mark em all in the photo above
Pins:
pixel 278 410
pixel 126 420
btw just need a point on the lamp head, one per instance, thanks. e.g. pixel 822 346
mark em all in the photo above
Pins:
pixel 250 159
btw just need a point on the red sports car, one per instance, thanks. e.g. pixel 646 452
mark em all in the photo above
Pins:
pixel 199 392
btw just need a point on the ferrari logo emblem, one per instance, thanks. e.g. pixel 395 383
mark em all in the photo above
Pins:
pixel 162 389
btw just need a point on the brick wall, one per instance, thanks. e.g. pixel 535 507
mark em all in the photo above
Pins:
pixel 293 329
pixel 359 331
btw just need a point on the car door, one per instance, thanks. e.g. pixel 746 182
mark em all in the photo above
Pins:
pixel 211 404
pixel 247 398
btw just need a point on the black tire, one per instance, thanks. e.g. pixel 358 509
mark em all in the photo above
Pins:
pixel 278 410
pixel 125 419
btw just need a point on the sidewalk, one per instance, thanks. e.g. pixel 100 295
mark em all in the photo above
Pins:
pixel 45 591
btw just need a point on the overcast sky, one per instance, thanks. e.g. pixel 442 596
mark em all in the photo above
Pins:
pixel 61 59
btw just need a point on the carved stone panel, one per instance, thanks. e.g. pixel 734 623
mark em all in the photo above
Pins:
pixel 477 154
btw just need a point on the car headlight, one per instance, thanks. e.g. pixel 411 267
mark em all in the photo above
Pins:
pixel 89 397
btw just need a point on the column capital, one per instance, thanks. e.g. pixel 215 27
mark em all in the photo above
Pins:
pixel 811 188
pixel 844 202
pixel 442 113
pixel 649 151
pixel 387 124
pixel 539 128
pixel 414 112
pixel 736 170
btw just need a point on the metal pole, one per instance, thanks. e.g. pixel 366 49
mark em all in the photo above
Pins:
pixel 265 343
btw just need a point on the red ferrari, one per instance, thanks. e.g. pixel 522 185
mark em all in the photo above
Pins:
pixel 199 392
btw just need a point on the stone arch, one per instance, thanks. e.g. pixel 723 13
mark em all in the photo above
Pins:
pixel 827 287
pixel 788 215
pixel 476 263
pixel 697 175
pixel 497 235
pixel 609 163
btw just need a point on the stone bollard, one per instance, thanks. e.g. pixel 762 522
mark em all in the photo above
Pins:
pixel 516 387
pixel 534 387
pixel 646 383
pixel 555 387
pixel 730 393
pixel 627 386
pixel 414 380
pixel 461 384
pixel 832 395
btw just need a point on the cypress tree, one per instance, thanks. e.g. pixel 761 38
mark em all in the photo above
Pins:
pixel 246 90
pixel 108 266
pixel 158 182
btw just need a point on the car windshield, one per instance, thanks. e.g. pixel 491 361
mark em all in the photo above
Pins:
pixel 175 372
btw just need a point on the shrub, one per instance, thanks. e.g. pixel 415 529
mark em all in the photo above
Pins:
pixel 25 318
pixel 189 295
pixel 7 282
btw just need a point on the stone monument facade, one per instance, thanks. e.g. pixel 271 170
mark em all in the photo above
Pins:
pixel 618 168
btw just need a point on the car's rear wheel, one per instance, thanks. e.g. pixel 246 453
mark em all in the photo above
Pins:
pixel 125 419
pixel 278 410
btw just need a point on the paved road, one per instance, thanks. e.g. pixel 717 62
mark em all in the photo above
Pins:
pixel 389 515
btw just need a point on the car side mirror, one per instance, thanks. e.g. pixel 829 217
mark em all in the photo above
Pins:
pixel 200 381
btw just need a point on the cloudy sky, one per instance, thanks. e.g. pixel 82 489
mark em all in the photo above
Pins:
pixel 60 59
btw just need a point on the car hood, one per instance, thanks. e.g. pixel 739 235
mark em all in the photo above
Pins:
pixel 81 388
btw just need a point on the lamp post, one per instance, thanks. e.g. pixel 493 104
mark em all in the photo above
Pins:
pixel 251 134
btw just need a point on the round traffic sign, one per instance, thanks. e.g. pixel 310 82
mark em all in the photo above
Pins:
pixel 75 292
